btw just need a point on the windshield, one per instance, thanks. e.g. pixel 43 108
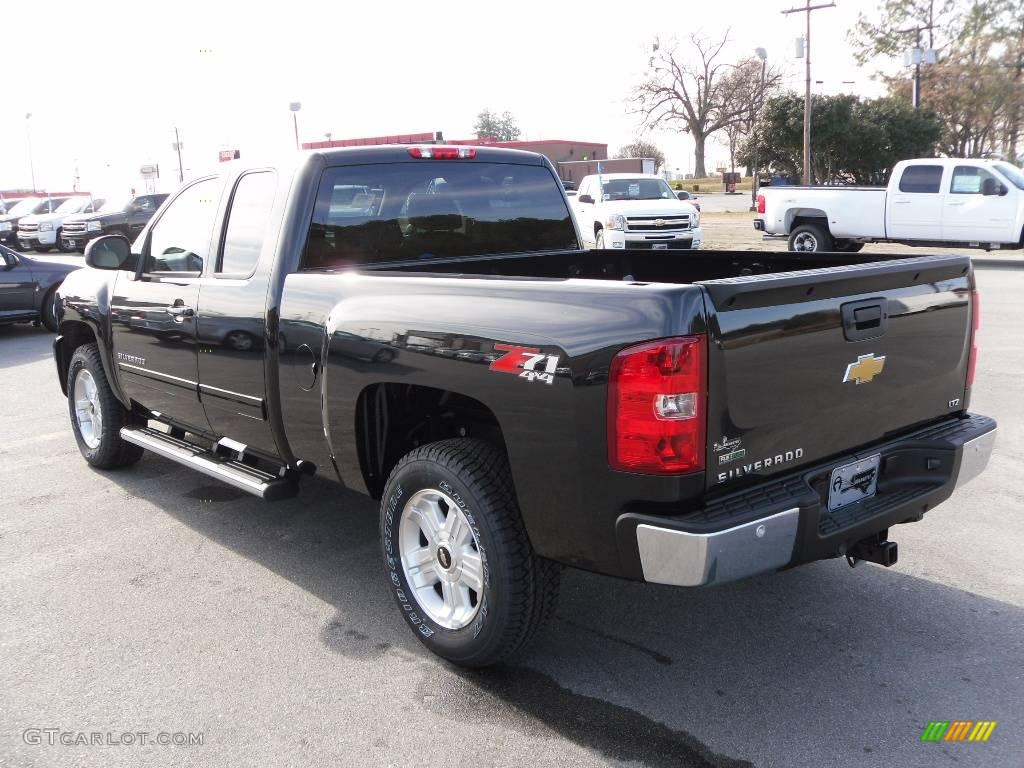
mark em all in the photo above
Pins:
pixel 8 205
pixel 637 189
pixel 1015 175
pixel 435 209
pixel 115 204
pixel 74 205
pixel 25 207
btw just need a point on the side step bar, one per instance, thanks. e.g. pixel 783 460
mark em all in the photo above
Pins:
pixel 235 473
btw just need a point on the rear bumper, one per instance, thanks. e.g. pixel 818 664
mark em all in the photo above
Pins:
pixel 785 522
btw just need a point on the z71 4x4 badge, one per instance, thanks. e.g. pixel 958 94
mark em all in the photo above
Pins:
pixel 526 362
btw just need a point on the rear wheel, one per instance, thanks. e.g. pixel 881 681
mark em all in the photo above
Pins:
pixel 810 238
pixel 96 414
pixel 457 556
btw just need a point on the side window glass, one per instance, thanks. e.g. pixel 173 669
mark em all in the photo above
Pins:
pixel 247 222
pixel 180 241
pixel 969 180
pixel 921 179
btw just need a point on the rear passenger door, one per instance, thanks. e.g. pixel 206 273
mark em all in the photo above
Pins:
pixel 232 329
pixel 914 205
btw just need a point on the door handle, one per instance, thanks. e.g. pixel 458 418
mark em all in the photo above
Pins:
pixel 180 311
pixel 952 203
pixel 901 202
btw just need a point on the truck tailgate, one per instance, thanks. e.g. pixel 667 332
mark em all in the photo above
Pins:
pixel 807 365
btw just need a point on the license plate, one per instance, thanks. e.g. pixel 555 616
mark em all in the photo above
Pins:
pixel 853 482
pixel 72 243
pixel 659 246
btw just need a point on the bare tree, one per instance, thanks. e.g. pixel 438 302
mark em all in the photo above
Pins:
pixel 701 94
pixel 643 148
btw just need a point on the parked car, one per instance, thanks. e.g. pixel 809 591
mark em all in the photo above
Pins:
pixel 28 288
pixel 124 216
pixel 42 231
pixel 682 194
pixel 704 420
pixel 568 186
pixel 8 203
pixel 635 211
pixel 937 201
pixel 27 207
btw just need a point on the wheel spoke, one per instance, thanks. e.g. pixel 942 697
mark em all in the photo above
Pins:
pixel 456 599
pixel 472 570
pixel 426 514
pixel 457 528
pixel 421 570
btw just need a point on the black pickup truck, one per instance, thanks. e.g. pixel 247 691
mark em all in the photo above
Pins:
pixel 124 216
pixel 427 330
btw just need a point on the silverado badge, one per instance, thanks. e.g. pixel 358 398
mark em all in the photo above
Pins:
pixel 865 369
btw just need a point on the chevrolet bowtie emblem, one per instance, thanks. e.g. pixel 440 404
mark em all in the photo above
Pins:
pixel 865 369
pixel 659 222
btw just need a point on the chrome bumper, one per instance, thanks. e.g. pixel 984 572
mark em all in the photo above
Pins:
pixel 685 559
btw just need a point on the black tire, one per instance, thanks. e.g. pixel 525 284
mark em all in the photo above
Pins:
pixel 519 588
pixel 60 242
pixel 384 356
pixel 599 240
pixel 847 246
pixel 240 341
pixel 112 452
pixel 810 238
pixel 48 311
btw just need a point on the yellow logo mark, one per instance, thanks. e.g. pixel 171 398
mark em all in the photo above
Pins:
pixel 865 369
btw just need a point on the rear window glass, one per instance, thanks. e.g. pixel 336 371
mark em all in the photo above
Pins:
pixel 921 178
pixel 435 209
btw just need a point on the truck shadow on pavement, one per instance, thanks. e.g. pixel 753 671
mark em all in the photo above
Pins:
pixel 816 666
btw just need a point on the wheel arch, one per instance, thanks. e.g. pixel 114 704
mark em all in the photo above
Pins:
pixel 392 419
pixel 797 216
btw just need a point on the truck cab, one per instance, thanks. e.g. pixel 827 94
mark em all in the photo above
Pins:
pixel 635 211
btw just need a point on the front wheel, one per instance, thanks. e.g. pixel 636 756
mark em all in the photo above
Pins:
pixel 599 240
pixel 457 557
pixel 48 312
pixel 810 238
pixel 96 414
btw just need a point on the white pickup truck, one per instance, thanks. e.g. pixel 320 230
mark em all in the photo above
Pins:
pixel 937 201
pixel 634 210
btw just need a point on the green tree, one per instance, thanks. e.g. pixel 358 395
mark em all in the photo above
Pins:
pixel 643 148
pixel 502 127
pixel 853 140
pixel 977 86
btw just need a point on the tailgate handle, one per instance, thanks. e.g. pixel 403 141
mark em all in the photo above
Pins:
pixel 864 319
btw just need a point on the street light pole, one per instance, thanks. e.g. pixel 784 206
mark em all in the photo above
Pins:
pixel 177 148
pixel 295 106
pixel 807 90
pixel 762 54
pixel 28 134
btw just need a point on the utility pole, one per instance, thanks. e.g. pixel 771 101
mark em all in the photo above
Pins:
pixel 177 148
pixel 918 54
pixel 295 106
pixel 762 54
pixel 807 92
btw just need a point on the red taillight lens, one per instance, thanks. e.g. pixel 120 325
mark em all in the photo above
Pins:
pixel 443 153
pixel 656 397
pixel 760 203
pixel 972 361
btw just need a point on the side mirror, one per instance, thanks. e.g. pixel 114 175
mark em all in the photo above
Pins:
pixel 109 252
pixel 989 187
pixel 585 198
pixel 1003 190
pixel 683 195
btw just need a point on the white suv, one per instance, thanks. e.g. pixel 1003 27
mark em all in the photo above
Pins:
pixel 41 231
pixel 634 210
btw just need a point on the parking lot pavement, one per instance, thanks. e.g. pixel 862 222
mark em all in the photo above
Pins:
pixel 154 600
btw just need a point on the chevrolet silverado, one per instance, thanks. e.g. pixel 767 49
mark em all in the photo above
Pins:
pixel 432 333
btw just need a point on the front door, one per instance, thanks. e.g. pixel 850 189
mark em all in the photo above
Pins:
pixel 17 288
pixel 154 312
pixel 914 207
pixel 975 211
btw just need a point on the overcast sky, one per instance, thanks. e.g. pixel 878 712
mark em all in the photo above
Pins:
pixel 107 81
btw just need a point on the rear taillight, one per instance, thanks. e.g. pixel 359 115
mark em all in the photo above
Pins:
pixel 760 203
pixel 442 153
pixel 656 401
pixel 972 361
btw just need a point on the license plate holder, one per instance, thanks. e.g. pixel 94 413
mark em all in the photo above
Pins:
pixel 71 243
pixel 659 246
pixel 853 482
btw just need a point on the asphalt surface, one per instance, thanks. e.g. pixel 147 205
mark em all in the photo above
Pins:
pixel 155 600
